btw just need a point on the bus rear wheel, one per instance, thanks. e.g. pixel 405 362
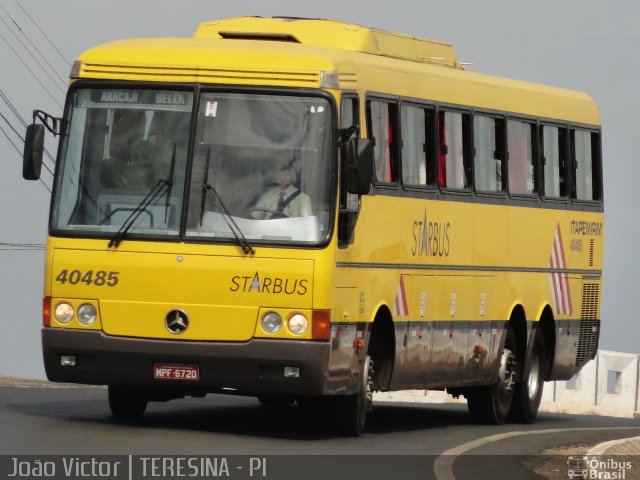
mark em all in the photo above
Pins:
pixel 528 392
pixel 491 404
pixel 127 404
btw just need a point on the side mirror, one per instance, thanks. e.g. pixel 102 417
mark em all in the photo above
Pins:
pixel 359 165
pixel 33 149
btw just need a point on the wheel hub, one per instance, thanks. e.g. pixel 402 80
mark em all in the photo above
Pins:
pixel 533 382
pixel 368 384
pixel 507 371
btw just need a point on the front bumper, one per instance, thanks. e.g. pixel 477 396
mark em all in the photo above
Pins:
pixel 255 367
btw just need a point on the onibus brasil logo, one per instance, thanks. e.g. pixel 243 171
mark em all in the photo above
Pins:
pixel 597 468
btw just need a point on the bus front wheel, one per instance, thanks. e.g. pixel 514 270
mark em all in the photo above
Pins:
pixel 354 407
pixel 491 404
pixel 276 401
pixel 126 404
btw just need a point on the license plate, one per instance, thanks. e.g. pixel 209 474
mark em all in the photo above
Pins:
pixel 170 371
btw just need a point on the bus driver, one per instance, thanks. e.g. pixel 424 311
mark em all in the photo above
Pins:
pixel 283 200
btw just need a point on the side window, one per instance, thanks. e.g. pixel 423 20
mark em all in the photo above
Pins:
pixel 585 148
pixel 349 114
pixel 554 161
pixel 383 131
pixel 418 146
pixel 521 158
pixel 488 164
pixel 453 158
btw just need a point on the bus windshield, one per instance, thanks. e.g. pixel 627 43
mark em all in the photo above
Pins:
pixel 260 165
pixel 261 162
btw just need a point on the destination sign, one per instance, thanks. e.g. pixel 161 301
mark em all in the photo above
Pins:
pixel 141 98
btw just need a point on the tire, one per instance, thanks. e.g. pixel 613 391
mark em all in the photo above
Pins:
pixel 528 392
pixel 276 401
pixel 127 404
pixel 491 404
pixel 352 409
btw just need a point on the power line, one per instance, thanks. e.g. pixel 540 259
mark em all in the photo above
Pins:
pixel 12 108
pixel 44 34
pixel 20 154
pixel 16 249
pixel 31 71
pixel 44 58
pixel 10 140
pixel 24 124
pixel 30 54
pixel 20 137
pixel 46 72
pixel 11 127
pixel 8 246
pixel 22 120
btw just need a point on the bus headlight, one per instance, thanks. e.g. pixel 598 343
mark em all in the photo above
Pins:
pixel 272 322
pixel 63 312
pixel 87 314
pixel 298 324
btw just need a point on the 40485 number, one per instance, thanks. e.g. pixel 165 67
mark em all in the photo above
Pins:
pixel 99 278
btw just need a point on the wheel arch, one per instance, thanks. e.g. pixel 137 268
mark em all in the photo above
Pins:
pixel 518 321
pixel 382 347
pixel 547 324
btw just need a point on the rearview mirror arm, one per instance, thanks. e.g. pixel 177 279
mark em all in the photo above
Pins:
pixel 51 123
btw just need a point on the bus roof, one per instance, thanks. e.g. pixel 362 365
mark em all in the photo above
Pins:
pixel 332 34
pixel 289 52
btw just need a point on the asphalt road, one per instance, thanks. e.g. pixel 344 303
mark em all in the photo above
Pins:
pixel 404 440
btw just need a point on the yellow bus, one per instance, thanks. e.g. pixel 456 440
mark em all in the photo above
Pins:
pixel 309 211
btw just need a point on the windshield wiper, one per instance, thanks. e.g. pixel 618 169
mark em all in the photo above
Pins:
pixel 219 204
pixel 151 197
pixel 161 186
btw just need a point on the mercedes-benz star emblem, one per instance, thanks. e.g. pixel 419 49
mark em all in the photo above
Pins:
pixel 176 321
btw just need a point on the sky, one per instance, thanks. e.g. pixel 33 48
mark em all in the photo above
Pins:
pixel 587 45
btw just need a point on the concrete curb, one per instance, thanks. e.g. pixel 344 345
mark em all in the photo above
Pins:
pixel 18 382
pixel 622 446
